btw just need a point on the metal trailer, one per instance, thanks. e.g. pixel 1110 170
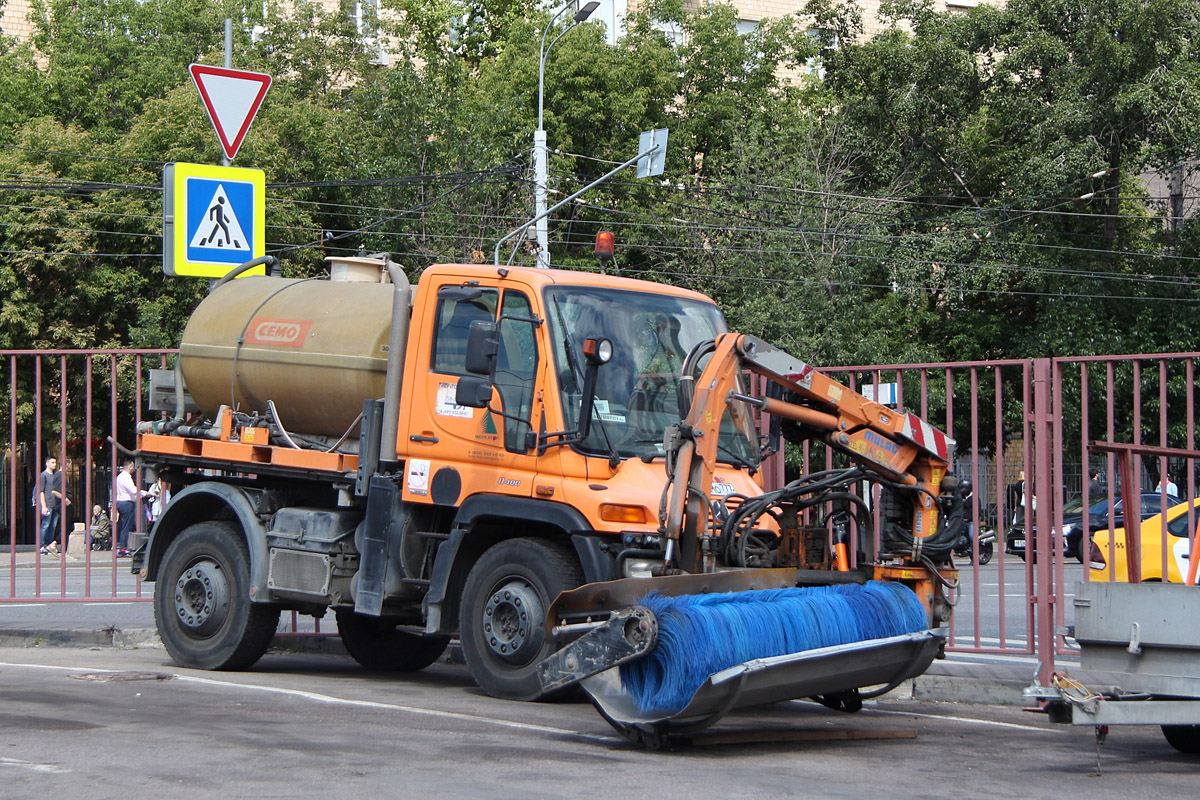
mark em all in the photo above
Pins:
pixel 1140 650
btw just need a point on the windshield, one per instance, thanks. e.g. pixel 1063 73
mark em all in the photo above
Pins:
pixel 637 392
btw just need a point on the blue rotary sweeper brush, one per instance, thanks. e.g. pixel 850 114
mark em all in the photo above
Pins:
pixel 703 634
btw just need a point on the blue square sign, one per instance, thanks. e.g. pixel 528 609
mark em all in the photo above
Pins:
pixel 220 221
pixel 213 219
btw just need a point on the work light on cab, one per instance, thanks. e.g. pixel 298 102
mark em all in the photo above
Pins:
pixel 598 351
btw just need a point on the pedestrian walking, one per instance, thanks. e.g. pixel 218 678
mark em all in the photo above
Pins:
pixel 51 500
pixel 160 495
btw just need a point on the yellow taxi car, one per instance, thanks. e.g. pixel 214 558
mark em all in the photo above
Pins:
pixel 1152 548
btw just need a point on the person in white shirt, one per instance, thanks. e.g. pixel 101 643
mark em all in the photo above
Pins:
pixel 127 496
pixel 1172 489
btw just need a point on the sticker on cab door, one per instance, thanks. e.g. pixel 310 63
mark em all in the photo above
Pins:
pixel 418 476
pixel 446 407
pixel 487 428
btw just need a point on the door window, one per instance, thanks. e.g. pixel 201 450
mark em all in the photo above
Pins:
pixel 454 318
pixel 516 368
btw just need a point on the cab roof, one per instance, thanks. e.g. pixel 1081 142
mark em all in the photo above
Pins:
pixel 541 278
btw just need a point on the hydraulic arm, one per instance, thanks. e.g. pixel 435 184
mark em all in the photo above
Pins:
pixel 900 451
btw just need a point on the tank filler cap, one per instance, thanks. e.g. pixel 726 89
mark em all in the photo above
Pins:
pixel 357 269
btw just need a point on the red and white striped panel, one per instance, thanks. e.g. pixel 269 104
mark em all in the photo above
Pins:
pixel 927 437
pixel 803 377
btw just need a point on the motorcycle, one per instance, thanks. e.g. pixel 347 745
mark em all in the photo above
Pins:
pixel 987 544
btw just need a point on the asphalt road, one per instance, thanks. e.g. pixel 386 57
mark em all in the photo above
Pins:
pixel 128 724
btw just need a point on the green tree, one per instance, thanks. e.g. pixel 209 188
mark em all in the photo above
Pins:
pixel 1022 131
pixel 82 219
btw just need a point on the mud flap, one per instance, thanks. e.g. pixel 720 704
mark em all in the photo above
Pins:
pixel 826 671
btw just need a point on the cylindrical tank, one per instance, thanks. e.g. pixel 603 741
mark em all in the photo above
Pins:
pixel 317 348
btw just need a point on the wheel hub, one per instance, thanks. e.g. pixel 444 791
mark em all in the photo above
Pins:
pixel 201 597
pixel 511 618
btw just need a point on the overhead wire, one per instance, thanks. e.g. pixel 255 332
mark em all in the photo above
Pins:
pixel 510 169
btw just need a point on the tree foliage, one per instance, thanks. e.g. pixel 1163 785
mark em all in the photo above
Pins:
pixel 961 185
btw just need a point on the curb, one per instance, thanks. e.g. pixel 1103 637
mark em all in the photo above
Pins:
pixel 102 637
pixel 332 646
pixel 958 689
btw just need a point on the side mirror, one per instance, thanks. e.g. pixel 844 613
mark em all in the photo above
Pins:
pixel 473 392
pixel 483 344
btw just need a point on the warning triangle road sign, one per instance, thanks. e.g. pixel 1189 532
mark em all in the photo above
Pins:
pixel 232 98
pixel 219 227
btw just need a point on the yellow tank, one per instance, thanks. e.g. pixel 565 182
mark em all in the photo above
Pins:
pixel 317 348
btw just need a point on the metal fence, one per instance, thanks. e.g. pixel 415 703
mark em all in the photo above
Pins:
pixel 74 406
pixel 1013 418
pixel 1039 420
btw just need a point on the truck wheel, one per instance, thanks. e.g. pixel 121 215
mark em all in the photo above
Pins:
pixel 1184 738
pixel 504 609
pixel 380 647
pixel 202 601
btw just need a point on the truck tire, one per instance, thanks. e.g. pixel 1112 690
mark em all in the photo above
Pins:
pixel 1184 738
pixel 504 609
pixel 202 601
pixel 377 645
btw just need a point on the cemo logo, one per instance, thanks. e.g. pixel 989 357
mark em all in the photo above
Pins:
pixel 278 332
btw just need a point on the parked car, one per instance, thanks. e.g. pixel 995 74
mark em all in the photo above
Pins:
pixel 1073 526
pixel 1151 550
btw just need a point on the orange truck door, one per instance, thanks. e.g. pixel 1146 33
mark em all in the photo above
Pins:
pixel 455 451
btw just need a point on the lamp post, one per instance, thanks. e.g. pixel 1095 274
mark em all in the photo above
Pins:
pixel 540 155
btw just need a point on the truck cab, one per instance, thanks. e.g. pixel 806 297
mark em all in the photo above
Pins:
pixel 525 446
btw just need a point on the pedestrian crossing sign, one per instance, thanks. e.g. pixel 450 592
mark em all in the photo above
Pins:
pixel 214 218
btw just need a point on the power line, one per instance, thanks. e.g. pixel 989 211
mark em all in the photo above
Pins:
pixel 891 287
pixel 80 155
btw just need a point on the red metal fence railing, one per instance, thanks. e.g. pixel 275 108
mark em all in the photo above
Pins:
pixel 983 406
pixel 1012 418
pixel 70 405
pixel 1138 411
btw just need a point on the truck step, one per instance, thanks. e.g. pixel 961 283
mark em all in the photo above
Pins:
pixel 438 535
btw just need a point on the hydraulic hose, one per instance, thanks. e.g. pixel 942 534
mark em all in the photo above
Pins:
pixel 689 373
pixel 272 265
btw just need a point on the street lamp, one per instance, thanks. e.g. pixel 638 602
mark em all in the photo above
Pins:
pixel 540 155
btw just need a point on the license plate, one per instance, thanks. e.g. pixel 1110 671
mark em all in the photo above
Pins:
pixel 1018 545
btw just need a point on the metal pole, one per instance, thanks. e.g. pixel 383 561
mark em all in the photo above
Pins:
pixel 540 175
pixel 1041 518
pixel 228 65
pixel 541 168
pixel 563 202
pixel 540 156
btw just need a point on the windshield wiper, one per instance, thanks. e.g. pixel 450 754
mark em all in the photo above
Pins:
pixel 738 461
pixel 614 457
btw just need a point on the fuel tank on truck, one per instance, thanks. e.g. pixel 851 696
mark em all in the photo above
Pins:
pixel 317 348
